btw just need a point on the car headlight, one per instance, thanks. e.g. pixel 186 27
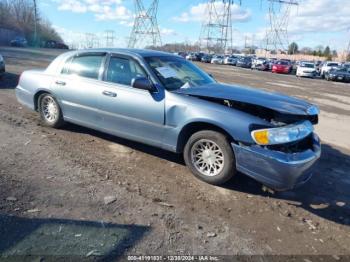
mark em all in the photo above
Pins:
pixel 282 135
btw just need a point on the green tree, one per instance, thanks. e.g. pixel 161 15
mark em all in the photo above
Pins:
pixel 334 53
pixel 293 48
pixel 327 51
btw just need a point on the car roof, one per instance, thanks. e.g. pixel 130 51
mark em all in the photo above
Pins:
pixel 126 51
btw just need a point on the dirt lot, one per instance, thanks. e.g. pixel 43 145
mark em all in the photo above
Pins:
pixel 77 192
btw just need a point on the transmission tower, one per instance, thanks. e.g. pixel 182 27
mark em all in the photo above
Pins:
pixel 216 33
pixel 277 31
pixel 109 36
pixel 145 31
pixel 91 41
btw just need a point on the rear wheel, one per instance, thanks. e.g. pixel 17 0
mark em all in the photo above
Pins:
pixel 209 156
pixel 50 111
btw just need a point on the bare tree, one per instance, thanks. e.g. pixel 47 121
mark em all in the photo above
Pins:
pixel 19 15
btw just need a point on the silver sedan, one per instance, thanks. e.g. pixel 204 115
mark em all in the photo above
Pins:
pixel 165 101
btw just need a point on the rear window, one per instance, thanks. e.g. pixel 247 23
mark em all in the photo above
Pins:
pixel 332 64
pixel 282 63
pixel 85 66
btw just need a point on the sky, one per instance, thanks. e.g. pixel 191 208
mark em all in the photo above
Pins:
pixel 312 23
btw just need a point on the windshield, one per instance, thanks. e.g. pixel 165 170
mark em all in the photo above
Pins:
pixel 175 72
pixel 308 65
pixel 244 59
pixel 332 64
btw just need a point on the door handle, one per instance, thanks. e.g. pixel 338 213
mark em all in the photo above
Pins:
pixel 107 93
pixel 61 83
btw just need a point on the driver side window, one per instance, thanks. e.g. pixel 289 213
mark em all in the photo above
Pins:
pixel 123 70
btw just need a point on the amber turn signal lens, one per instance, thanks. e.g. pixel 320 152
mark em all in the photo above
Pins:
pixel 262 137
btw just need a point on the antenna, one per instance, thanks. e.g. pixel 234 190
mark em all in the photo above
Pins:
pixel 216 33
pixel 145 31
pixel 277 31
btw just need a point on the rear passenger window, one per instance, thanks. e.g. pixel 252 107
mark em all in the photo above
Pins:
pixel 123 70
pixel 85 66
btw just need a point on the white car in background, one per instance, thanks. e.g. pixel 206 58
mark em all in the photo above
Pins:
pixel 230 60
pixel 327 66
pixel 218 59
pixel 306 69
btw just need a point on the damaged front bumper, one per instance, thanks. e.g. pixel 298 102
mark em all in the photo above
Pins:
pixel 276 169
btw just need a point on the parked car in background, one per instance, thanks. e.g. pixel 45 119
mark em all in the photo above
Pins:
pixel 54 44
pixel 245 62
pixel 282 67
pixel 338 74
pixel 306 69
pixel 206 59
pixel 182 54
pixel 328 66
pixel 271 61
pixel 217 59
pixel 165 101
pixel 62 46
pixel 2 66
pixel 230 60
pixel 19 42
pixel 191 57
pixel 318 65
pixel 260 63
pixel 345 65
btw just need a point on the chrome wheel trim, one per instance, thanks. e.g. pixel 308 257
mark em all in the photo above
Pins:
pixel 207 157
pixel 49 109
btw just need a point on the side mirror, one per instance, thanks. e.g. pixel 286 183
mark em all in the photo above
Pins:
pixel 142 83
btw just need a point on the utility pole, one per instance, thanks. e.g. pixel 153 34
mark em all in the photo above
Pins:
pixel 145 31
pixel 277 31
pixel 35 40
pixel 348 49
pixel 216 33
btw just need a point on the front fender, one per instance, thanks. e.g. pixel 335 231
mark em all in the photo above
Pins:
pixel 182 110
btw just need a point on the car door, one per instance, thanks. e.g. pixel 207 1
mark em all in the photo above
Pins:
pixel 77 88
pixel 129 112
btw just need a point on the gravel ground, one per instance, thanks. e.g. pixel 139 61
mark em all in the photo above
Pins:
pixel 78 192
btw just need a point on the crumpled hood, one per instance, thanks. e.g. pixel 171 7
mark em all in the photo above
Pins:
pixel 275 101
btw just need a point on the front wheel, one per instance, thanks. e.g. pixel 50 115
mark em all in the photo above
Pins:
pixel 50 111
pixel 209 156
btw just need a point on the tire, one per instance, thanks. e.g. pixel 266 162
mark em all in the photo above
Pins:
pixel 50 111
pixel 225 168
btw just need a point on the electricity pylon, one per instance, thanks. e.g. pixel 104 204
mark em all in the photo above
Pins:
pixel 277 31
pixel 110 36
pixel 216 33
pixel 145 31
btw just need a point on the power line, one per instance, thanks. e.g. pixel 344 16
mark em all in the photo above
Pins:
pixel 145 30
